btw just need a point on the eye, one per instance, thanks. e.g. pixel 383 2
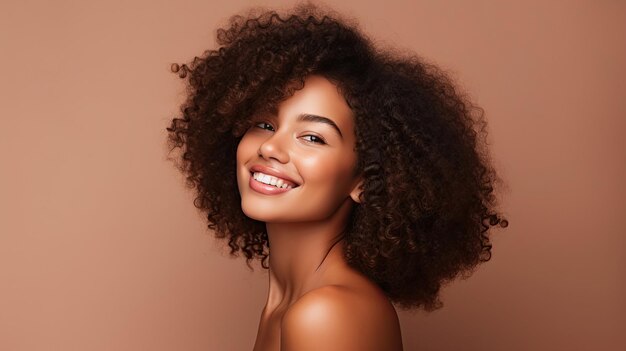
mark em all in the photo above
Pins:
pixel 316 139
pixel 313 138
pixel 263 124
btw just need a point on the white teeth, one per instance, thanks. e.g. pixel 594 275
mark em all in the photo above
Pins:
pixel 267 179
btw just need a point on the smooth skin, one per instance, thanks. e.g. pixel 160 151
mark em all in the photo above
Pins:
pixel 316 301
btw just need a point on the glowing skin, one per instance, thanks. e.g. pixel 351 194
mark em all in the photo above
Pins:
pixel 324 172
pixel 303 222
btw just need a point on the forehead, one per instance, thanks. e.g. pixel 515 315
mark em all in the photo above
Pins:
pixel 321 97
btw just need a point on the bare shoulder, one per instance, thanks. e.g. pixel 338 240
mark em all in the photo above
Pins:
pixel 337 317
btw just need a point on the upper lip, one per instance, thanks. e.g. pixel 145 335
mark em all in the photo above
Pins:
pixel 272 172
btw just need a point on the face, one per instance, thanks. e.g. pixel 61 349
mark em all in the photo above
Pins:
pixel 310 142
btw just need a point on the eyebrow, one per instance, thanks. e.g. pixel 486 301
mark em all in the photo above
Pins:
pixel 307 117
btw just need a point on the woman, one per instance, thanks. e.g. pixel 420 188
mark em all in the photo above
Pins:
pixel 357 172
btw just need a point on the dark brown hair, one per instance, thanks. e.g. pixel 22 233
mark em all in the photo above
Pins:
pixel 428 197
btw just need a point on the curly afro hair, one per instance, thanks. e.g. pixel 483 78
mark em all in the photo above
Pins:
pixel 428 194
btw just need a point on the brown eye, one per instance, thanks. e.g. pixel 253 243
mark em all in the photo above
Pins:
pixel 315 139
pixel 263 125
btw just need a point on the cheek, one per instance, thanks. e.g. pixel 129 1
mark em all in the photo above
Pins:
pixel 332 173
pixel 244 148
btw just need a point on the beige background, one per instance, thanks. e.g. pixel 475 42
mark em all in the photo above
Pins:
pixel 101 248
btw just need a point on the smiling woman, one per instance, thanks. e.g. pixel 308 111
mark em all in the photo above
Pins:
pixel 361 174
pixel 295 145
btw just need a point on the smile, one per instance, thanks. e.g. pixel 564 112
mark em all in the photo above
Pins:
pixel 271 180
pixel 268 185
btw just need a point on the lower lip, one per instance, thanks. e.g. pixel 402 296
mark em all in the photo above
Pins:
pixel 265 188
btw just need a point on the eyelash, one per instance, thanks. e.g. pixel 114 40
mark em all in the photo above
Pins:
pixel 320 140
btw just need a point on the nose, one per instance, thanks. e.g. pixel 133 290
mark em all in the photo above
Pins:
pixel 275 147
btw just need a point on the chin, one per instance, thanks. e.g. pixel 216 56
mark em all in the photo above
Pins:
pixel 261 213
pixel 252 214
pixel 263 216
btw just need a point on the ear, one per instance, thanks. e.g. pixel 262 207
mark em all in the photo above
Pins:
pixel 357 190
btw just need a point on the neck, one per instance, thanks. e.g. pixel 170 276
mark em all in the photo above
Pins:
pixel 301 253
